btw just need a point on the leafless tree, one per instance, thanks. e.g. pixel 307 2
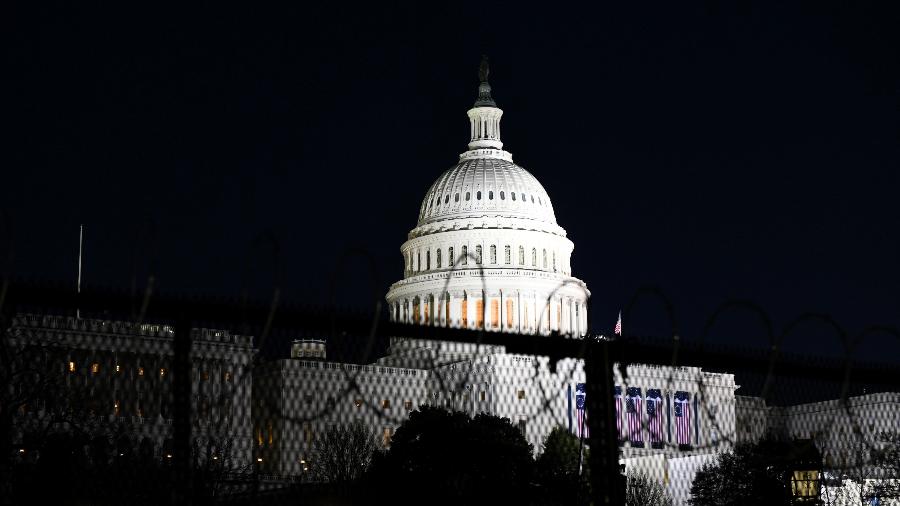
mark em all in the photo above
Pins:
pixel 343 453
pixel 641 490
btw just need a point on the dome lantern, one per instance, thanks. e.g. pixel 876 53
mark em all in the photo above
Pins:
pixel 484 117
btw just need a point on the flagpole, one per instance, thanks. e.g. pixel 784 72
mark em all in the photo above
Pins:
pixel 80 250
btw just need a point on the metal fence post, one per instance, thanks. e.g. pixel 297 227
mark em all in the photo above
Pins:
pixel 182 494
pixel 607 483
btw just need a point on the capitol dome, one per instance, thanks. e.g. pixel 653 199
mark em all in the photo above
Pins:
pixel 478 187
pixel 486 252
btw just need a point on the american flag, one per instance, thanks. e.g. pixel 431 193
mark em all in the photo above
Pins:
pixel 580 410
pixel 683 418
pixel 618 397
pixel 633 414
pixel 654 415
pixel 618 330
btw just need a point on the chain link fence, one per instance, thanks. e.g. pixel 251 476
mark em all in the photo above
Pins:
pixel 165 400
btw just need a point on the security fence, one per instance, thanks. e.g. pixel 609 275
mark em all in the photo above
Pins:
pixel 165 400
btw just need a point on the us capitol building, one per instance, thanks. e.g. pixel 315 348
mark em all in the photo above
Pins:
pixel 486 254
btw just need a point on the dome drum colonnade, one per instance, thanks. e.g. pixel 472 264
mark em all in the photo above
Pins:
pixel 487 252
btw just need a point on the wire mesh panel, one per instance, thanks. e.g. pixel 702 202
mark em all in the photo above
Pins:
pixel 340 408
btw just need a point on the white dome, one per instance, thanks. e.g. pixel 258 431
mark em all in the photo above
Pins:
pixel 481 187
pixel 486 252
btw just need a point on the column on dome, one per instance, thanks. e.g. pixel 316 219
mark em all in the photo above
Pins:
pixel 573 317
pixel 520 327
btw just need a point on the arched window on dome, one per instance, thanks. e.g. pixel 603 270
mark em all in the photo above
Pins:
pixel 428 260
pixel 478 195
pixel 456 198
pixel 437 259
pixel 465 255
pixel 510 313
pixel 502 195
pixel 545 259
pixel 447 199
pixel 493 254
pixel 521 255
pixel 490 195
pixel 513 195
pixel 478 254
pixel 507 255
pixel 450 257
pixel 554 261
pixel 523 196
pixel 418 260
pixel 415 315
pixel 539 201
pixel 468 195
pixel 534 257
pixel 532 199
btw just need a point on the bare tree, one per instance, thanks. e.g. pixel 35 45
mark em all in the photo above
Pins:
pixel 644 491
pixel 31 375
pixel 343 453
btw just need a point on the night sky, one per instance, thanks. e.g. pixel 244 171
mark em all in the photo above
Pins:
pixel 716 151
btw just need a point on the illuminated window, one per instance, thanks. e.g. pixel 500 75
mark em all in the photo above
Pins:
pixel 271 433
pixel 116 408
pixel 478 254
pixel 259 438
pixel 358 402
pixel 534 257
pixel 495 313
pixel 493 254
pixel 227 376
pixel 386 436
pixel 385 403
pixel 507 255
pixel 521 255
pixel 465 255
pixel 162 372
pixel 509 313
pixel 118 368
pixel 140 371
pixel 95 368
pixel 205 375
pixel 71 366
pixel 483 395
pixel 520 394
pixel 408 405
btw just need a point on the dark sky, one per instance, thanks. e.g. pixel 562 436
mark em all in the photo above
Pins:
pixel 716 151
